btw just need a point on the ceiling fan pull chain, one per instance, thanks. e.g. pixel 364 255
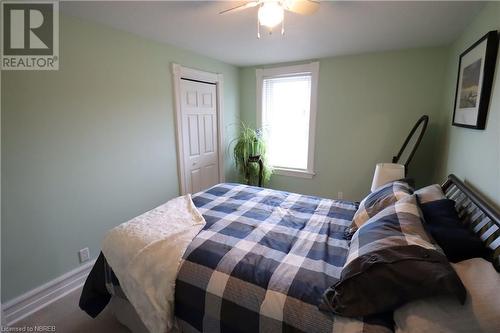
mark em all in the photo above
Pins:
pixel 283 25
pixel 258 29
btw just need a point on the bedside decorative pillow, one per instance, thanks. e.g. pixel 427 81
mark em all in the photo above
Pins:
pixel 376 201
pixel 457 241
pixel 480 313
pixel 430 193
pixel 391 261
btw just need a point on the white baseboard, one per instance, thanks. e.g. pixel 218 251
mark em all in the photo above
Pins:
pixel 38 298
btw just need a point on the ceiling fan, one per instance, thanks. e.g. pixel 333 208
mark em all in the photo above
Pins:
pixel 272 12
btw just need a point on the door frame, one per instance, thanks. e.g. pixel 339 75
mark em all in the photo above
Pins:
pixel 180 72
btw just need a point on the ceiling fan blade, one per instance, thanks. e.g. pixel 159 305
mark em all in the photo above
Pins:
pixel 304 7
pixel 241 7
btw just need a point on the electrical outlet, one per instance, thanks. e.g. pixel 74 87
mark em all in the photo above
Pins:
pixel 340 195
pixel 84 255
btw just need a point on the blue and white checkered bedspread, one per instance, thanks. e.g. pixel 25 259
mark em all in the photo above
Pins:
pixel 262 263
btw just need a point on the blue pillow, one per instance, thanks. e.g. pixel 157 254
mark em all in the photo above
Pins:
pixel 457 241
pixel 378 200
pixel 391 261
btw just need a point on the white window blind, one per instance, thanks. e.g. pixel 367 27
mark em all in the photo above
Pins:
pixel 286 107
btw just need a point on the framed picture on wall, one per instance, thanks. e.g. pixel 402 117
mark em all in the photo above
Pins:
pixel 476 69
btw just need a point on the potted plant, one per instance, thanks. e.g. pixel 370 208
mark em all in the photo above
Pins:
pixel 250 156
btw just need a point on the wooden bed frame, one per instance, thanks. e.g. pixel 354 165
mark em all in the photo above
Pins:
pixel 476 214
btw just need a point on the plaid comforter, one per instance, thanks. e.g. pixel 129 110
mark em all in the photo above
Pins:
pixel 262 263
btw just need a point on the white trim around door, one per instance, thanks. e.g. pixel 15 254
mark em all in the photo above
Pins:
pixel 180 72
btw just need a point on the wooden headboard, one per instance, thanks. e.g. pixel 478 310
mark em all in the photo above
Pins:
pixel 476 214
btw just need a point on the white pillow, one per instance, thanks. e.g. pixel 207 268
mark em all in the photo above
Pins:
pixel 430 193
pixel 480 313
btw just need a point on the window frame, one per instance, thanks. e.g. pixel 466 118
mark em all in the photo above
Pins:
pixel 295 70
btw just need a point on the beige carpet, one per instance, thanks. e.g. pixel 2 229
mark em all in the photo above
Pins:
pixel 66 316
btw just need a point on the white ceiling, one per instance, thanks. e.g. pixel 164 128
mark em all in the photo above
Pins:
pixel 338 28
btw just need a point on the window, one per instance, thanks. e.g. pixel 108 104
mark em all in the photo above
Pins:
pixel 286 99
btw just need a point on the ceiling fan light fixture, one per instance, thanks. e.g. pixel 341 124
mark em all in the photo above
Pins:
pixel 271 13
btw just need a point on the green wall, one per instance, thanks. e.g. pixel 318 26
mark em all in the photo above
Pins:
pixel 367 105
pixel 473 155
pixel 89 146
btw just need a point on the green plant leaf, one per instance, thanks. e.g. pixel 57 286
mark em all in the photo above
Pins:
pixel 250 142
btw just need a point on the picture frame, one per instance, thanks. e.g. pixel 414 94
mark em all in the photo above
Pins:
pixel 476 69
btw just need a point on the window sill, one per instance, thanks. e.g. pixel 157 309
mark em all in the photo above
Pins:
pixel 293 173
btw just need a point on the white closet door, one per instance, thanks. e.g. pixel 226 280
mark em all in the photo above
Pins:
pixel 199 135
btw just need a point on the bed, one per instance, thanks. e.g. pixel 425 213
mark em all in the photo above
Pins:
pixel 263 260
